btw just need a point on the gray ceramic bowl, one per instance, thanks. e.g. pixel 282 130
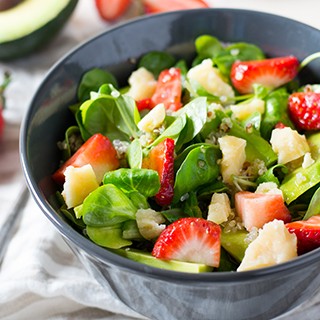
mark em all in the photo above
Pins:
pixel 155 293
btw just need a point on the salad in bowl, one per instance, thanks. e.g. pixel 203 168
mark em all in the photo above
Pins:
pixel 197 166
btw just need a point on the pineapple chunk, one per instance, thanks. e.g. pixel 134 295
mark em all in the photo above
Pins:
pixel 142 84
pixel 307 160
pixel 243 110
pixel 274 245
pixel 210 79
pixel 233 156
pixel 78 184
pixel 153 119
pixel 149 223
pixel 268 188
pixel 288 144
pixel 219 208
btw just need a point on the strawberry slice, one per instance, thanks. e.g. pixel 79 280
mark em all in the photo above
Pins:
pixel 307 232
pixel 190 240
pixel 168 89
pixel 256 209
pixel 98 151
pixel 144 104
pixel 110 10
pixel 161 159
pixel 304 110
pixel 271 73
pixel 156 6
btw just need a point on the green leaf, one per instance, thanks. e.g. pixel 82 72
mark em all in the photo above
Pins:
pixel 92 80
pixel 107 206
pixel 199 168
pixel 208 46
pixel 109 237
pixel 134 154
pixel 145 181
pixel 314 206
pixel 156 61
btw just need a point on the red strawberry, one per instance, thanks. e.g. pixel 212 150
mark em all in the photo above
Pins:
pixel 144 104
pixel 168 90
pixel 256 209
pixel 271 73
pixel 156 6
pixel 307 232
pixel 190 240
pixel 111 10
pixel 161 159
pixel 98 151
pixel 304 110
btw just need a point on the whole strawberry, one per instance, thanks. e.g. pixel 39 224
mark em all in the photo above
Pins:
pixel 304 110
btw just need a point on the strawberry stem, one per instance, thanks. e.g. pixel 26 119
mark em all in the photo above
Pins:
pixel 309 59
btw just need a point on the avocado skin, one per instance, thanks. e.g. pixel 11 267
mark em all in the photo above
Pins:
pixel 23 46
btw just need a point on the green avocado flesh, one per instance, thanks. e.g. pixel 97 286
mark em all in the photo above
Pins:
pixel 31 24
pixel 174 265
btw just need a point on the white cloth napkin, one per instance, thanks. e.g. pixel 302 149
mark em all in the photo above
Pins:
pixel 40 277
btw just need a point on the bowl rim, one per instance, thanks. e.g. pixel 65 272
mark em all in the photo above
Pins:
pixel 74 238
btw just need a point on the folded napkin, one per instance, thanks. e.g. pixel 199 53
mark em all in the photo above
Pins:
pixel 40 278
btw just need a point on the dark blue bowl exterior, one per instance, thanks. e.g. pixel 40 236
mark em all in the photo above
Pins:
pixel 161 294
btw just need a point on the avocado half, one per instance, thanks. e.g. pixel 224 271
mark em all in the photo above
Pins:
pixel 31 24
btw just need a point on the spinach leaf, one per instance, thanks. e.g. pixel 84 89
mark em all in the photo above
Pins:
pixel 208 46
pixel 156 61
pixel 134 154
pixel 199 168
pixel 110 113
pixel 314 206
pixel 92 80
pixel 109 237
pixel 274 174
pixel 276 105
pixel 107 206
pixel 145 181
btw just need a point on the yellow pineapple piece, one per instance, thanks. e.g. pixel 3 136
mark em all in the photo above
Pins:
pixel 142 84
pixel 273 245
pixel 243 110
pixel 153 119
pixel 79 182
pixel 233 156
pixel 219 208
pixel 210 79
pixel 288 144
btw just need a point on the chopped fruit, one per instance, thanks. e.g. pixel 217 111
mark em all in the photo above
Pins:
pixel 156 6
pixel 210 79
pixel 150 223
pixel 111 10
pixel 190 240
pixel 169 89
pixel 233 156
pixel 288 144
pixel 235 243
pixel 142 84
pixel 269 188
pixel 243 110
pixel 219 208
pixel 307 232
pixel 304 110
pixel 97 151
pixel 256 209
pixel 271 73
pixel 78 184
pixel 144 104
pixel 273 245
pixel 161 159
pixel 153 119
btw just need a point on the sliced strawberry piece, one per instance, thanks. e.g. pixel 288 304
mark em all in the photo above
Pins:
pixel 156 6
pixel 98 151
pixel 144 104
pixel 168 90
pixel 161 159
pixel 256 209
pixel 307 232
pixel 304 110
pixel 111 10
pixel 190 240
pixel 271 73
